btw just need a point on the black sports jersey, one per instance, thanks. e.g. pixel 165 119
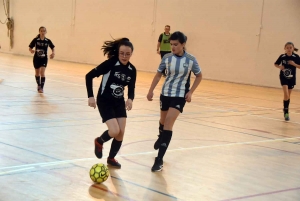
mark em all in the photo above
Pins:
pixel 289 71
pixel 41 46
pixel 115 77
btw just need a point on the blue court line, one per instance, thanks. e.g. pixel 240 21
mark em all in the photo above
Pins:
pixel 31 151
pixel 73 165
pixel 236 131
pixel 150 189
pixel 81 167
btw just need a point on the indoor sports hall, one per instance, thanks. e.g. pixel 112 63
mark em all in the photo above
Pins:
pixel 231 142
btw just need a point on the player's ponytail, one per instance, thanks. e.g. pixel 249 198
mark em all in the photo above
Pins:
pixel 111 48
pixel 290 43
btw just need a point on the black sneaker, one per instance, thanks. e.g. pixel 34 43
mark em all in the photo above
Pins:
pixel 98 149
pixel 157 143
pixel 158 165
pixel 113 162
pixel 287 116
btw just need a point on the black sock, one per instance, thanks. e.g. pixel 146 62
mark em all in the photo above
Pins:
pixel 166 138
pixel 286 104
pixel 38 81
pixel 114 149
pixel 43 80
pixel 104 137
pixel 161 128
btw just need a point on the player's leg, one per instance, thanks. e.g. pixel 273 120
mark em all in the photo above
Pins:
pixel 108 117
pixel 43 78
pixel 166 137
pixel 37 70
pixel 286 101
pixel 43 63
pixel 164 107
pixel 112 131
pixel 117 143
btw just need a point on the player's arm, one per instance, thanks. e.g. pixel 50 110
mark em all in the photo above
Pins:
pixel 102 69
pixel 32 45
pixel 278 63
pixel 131 91
pixel 158 43
pixel 198 73
pixel 291 62
pixel 161 69
pixel 51 45
pixel 196 82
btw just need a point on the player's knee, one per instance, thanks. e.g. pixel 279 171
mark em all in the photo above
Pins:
pixel 120 136
pixel 114 132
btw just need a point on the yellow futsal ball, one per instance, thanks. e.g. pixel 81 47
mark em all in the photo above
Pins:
pixel 99 173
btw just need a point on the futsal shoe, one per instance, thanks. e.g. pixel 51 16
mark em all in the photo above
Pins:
pixel 157 143
pixel 98 149
pixel 287 116
pixel 39 89
pixel 158 165
pixel 113 162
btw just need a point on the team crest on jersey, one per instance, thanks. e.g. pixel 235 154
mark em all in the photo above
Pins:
pixel 185 65
pixel 120 76
pixel 287 73
pixel 128 79
pixel 123 77
pixel 40 53
pixel 117 90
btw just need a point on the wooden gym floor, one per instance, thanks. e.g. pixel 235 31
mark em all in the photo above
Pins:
pixel 231 142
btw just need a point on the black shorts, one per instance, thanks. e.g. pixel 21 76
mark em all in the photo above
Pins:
pixel 289 82
pixel 110 109
pixel 174 102
pixel 39 62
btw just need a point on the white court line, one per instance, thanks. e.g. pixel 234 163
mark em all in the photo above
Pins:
pixel 7 172
pixel 45 164
pixel 259 116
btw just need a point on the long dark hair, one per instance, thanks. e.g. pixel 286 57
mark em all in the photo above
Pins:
pixel 42 27
pixel 290 43
pixel 111 47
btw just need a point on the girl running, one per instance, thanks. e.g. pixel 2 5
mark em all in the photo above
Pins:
pixel 40 59
pixel 287 63
pixel 175 91
pixel 117 73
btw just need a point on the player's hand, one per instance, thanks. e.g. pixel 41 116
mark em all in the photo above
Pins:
pixel 128 104
pixel 281 67
pixel 92 102
pixel 150 95
pixel 32 51
pixel 291 63
pixel 188 97
pixel 52 56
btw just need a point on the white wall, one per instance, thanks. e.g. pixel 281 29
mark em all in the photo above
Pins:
pixel 222 34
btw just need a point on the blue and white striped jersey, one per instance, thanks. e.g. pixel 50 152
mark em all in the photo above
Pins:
pixel 179 69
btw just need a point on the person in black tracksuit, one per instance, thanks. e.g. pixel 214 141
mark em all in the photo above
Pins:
pixel 40 59
pixel 287 63
pixel 117 73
